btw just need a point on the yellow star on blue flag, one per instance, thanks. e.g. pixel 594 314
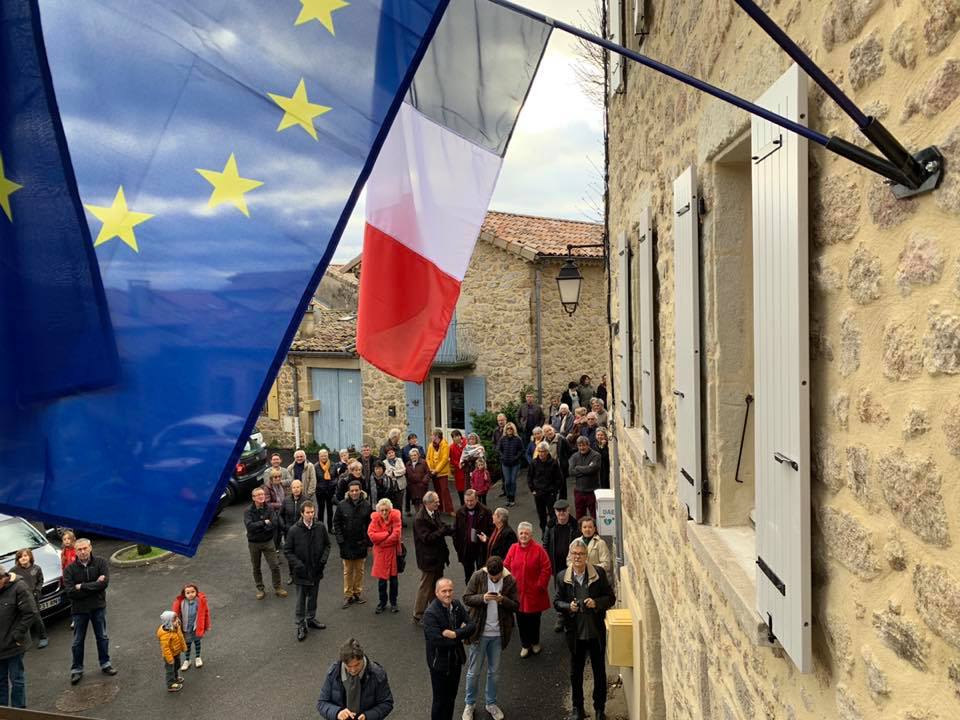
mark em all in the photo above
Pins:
pixel 321 11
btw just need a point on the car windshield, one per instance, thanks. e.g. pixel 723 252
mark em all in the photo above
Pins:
pixel 253 444
pixel 16 534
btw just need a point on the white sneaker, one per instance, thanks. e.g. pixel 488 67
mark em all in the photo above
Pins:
pixel 199 662
pixel 495 712
pixel 537 649
pixel 468 712
pixel 524 652
pixel 185 665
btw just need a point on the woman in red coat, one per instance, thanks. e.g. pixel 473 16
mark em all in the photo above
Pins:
pixel 457 444
pixel 384 531
pixel 529 563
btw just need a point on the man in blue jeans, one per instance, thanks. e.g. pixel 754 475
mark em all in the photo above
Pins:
pixel 491 598
pixel 17 614
pixel 86 580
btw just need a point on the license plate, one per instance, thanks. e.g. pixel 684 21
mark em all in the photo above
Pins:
pixel 47 604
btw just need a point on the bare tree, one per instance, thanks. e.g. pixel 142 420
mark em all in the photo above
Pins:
pixel 590 69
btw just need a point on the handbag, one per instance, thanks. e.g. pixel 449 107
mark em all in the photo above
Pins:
pixel 401 558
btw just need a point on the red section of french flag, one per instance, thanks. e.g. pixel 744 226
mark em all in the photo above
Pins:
pixel 426 200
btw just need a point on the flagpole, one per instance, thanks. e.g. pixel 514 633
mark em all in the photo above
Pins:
pixel 930 160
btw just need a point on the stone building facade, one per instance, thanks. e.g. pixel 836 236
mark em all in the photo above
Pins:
pixel 884 354
pixel 509 299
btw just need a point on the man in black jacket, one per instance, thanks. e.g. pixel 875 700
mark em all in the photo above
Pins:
pixel 430 542
pixel 262 526
pixel 446 624
pixel 356 684
pixel 584 466
pixel 529 416
pixel 544 479
pixel 583 597
pixel 557 541
pixel 471 521
pixel 307 549
pixel 350 527
pixel 86 580
pixel 17 613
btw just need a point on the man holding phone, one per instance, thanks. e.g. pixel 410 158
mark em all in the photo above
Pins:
pixel 491 598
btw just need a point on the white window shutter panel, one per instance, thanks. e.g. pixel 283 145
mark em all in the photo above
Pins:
pixel 625 401
pixel 782 369
pixel 686 392
pixel 648 373
pixel 615 64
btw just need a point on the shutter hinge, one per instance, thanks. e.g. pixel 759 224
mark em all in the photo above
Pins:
pixel 684 210
pixel 771 638
pixel 781 458
pixel 678 393
pixel 687 476
pixel 767 150
pixel 772 576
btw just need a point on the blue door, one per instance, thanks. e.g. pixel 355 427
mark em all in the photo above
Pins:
pixel 474 398
pixel 338 423
pixel 416 419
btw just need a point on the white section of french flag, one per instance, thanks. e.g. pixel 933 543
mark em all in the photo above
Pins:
pixel 426 200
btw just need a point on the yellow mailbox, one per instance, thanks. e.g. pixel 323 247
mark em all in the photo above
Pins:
pixel 619 637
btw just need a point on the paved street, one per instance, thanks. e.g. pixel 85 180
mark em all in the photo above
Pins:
pixel 254 667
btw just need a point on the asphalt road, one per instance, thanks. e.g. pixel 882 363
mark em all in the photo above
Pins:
pixel 253 665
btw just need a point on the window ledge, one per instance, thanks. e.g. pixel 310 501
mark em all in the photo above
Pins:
pixel 729 556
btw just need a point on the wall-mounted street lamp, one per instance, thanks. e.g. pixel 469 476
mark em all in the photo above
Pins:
pixel 569 280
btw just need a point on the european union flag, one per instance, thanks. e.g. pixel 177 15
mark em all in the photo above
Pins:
pixel 218 148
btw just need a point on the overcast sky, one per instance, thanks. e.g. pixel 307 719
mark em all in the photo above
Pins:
pixel 552 167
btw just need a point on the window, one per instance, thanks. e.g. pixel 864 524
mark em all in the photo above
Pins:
pixel 448 403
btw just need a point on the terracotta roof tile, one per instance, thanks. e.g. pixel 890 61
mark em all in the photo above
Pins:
pixel 334 332
pixel 545 236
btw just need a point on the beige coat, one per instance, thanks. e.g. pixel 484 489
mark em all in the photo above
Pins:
pixel 309 479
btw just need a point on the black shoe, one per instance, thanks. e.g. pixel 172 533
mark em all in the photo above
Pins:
pixel 359 600
pixel 347 602
pixel 379 609
pixel 394 609
pixel 301 633
pixel 108 670
pixel 316 625
pixel 75 677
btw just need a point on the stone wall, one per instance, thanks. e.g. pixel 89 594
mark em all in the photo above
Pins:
pixel 276 431
pixel 573 345
pixel 885 361
pixel 380 392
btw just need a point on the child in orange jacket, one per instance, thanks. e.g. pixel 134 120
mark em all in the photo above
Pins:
pixel 171 645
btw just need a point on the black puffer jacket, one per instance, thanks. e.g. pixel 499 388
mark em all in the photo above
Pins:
pixel 511 449
pixel 544 476
pixel 17 613
pixel 350 525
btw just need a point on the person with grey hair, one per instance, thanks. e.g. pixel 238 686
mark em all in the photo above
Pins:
pixel 529 416
pixel 392 441
pixel 603 417
pixel 446 624
pixel 471 521
pixel 356 687
pixel 544 478
pixel 502 537
pixel 584 469
pixel 590 427
pixel 528 562
pixel 583 597
pixel 85 581
pixel 430 542
pixel 385 532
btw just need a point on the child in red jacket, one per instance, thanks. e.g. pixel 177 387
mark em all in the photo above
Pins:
pixel 480 480
pixel 194 613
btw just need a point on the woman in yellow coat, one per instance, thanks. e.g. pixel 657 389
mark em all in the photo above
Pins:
pixel 438 463
pixel 171 645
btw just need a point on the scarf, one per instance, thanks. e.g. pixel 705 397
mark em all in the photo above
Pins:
pixel 325 469
pixel 351 685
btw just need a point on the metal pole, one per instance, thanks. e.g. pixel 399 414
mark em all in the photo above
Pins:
pixel 857 155
pixel 537 303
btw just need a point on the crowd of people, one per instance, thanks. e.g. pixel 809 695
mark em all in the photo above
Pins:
pixel 363 503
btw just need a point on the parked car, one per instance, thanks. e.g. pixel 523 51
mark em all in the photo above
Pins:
pixel 249 469
pixel 16 534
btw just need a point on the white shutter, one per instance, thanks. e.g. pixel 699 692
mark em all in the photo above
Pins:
pixel 648 373
pixel 625 402
pixel 615 66
pixel 782 372
pixel 639 19
pixel 686 255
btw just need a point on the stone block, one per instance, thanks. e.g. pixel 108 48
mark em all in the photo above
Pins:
pixel 826 277
pixel 941 343
pixel 941 24
pixel 866 61
pixel 886 211
pixel 827 467
pixel 847 707
pixel 937 93
pixel 876 678
pixel 902 354
pixel 947 196
pixel 849 343
pixel 848 542
pixel 917 422
pixel 837 635
pixel 840 408
pixel 742 692
pixel 937 593
pixel 904 637
pixel 870 410
pixel 835 212
pixel 845 19
pixel 911 488
pixel 864 274
pixel 953 675
pixel 903 45
pixel 921 263
pixel 858 475
pixel 951 428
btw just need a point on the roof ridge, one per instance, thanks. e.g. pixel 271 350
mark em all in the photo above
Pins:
pixel 544 217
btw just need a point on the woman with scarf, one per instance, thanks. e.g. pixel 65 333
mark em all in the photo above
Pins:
pixel 468 459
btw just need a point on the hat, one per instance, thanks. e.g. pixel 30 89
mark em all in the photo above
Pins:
pixel 561 504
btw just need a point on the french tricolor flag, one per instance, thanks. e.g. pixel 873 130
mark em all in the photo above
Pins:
pixel 433 180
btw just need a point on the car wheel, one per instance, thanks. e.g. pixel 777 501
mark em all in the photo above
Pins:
pixel 231 494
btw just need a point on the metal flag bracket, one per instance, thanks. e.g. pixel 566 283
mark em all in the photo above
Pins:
pixel 908 174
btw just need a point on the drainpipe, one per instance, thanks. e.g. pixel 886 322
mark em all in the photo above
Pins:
pixel 296 407
pixel 537 301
